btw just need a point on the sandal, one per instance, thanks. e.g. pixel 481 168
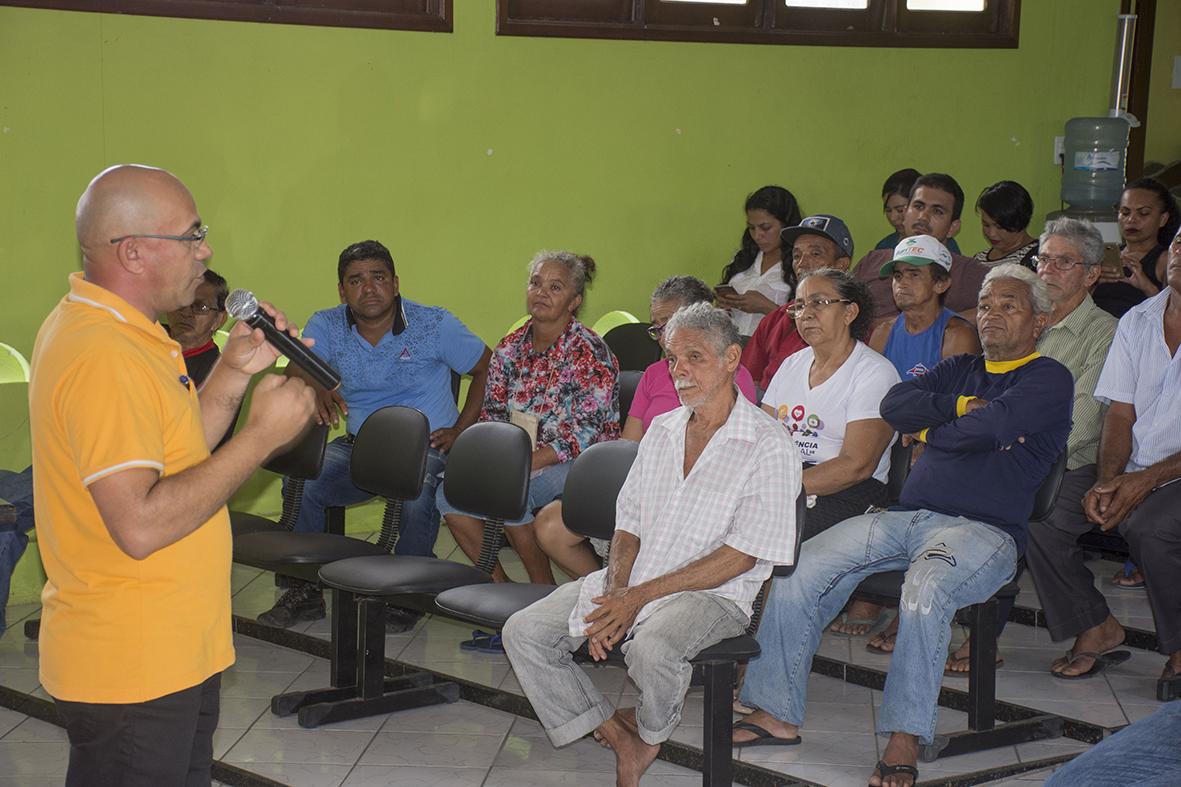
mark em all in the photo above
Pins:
pixel 885 771
pixel 1168 688
pixel 1120 578
pixel 963 673
pixel 763 736
pixel 483 642
pixel 869 623
pixel 1101 662
pixel 887 639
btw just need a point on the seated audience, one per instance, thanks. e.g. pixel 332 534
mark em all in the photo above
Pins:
pixel 556 379
pixel 936 202
pixel 757 279
pixel 895 197
pixel 820 241
pixel 925 331
pixel 655 395
pixel 1078 337
pixel 1005 209
pixel 193 326
pixel 389 351
pixel 706 510
pixel 990 424
pixel 1129 488
pixel 828 397
pixel 1148 220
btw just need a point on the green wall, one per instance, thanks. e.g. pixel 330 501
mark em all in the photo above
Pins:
pixel 1162 141
pixel 467 152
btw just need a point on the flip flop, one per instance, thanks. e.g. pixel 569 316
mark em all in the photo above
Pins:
pixel 1126 573
pixel 845 620
pixel 763 737
pixel 885 771
pixel 1102 661
pixel 872 648
pixel 483 642
pixel 1168 688
pixel 951 673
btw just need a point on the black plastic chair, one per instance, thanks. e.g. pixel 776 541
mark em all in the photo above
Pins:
pixel 983 732
pixel 301 462
pixel 588 508
pixel 488 475
pixel 629 381
pixel 900 457
pixel 633 347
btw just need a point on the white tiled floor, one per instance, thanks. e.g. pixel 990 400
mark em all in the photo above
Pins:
pixel 469 744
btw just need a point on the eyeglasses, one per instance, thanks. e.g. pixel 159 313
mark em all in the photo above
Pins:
pixel 655 332
pixel 1057 263
pixel 197 238
pixel 196 307
pixel 799 307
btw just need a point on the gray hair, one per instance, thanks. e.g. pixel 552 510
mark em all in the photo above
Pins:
pixel 1039 296
pixel 1080 233
pixel 580 267
pixel 710 320
pixel 684 290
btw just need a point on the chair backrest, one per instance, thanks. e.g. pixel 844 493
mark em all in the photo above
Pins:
pixel 220 338
pixel 1047 493
pixel 304 458
pixel 517 324
pixel 899 469
pixel 592 487
pixel 801 512
pixel 389 454
pixel 612 319
pixel 629 381
pixel 13 366
pixel 632 346
pixel 488 471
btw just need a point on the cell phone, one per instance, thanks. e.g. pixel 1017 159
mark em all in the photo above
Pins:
pixel 1111 258
pixel 725 289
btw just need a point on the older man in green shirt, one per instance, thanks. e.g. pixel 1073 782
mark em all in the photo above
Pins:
pixel 1069 256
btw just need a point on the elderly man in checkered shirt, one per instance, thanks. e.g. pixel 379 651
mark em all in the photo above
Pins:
pixel 705 513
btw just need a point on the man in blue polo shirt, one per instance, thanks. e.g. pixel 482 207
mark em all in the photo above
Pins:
pixel 389 351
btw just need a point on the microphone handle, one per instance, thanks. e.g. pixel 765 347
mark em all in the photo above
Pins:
pixel 296 351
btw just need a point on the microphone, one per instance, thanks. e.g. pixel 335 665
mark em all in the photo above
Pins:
pixel 242 305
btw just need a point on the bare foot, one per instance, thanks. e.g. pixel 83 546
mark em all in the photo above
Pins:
pixel 1097 639
pixel 632 755
pixel 760 718
pixel 903 749
pixel 859 617
pixel 958 663
pixel 884 639
pixel 625 715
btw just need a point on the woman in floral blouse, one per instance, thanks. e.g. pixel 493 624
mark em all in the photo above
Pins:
pixel 557 379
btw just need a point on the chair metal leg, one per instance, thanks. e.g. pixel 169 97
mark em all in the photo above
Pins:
pixel 982 666
pixel 717 736
pixel 370 647
pixel 33 628
pixel 1009 734
pixel 343 668
pixel 334 520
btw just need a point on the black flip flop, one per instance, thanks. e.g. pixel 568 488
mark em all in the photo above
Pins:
pixel 1168 688
pixel 1101 662
pixel 885 771
pixel 763 737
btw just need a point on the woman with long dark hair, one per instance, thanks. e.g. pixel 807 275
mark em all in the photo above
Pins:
pixel 1148 220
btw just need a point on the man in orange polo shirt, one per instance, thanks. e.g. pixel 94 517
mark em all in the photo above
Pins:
pixel 131 515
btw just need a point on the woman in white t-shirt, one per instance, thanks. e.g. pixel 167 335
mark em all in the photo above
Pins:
pixel 756 281
pixel 828 395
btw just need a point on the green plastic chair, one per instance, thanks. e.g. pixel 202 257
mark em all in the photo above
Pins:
pixel 517 324
pixel 13 366
pixel 613 319
pixel 220 338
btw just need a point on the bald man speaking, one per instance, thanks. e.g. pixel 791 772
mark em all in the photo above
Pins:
pixel 131 515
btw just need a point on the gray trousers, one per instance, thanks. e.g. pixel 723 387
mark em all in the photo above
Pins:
pixel 538 642
pixel 1066 587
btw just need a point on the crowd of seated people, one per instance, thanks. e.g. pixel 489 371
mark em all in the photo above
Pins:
pixel 992 367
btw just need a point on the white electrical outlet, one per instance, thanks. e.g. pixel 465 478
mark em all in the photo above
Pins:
pixel 1177 72
pixel 1059 149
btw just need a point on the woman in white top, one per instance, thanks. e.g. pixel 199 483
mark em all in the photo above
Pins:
pixel 756 281
pixel 828 395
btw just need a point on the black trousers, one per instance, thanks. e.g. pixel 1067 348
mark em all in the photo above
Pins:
pixel 165 742
pixel 1066 587
pixel 842 505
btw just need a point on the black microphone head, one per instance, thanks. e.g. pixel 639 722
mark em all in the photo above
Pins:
pixel 241 304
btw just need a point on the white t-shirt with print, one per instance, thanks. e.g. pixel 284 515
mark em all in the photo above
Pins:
pixel 817 417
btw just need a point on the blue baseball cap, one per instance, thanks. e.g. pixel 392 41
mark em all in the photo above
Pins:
pixel 826 226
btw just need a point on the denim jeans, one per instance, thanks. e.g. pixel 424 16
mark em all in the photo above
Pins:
pixel 1144 754
pixel 544 488
pixel 538 643
pixel 950 562
pixel 419 526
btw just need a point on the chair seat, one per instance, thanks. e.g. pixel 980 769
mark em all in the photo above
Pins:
pixel 275 550
pixel 888 584
pixel 242 524
pixel 396 575
pixel 740 648
pixel 490 606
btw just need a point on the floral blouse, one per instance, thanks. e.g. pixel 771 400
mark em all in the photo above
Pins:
pixel 572 387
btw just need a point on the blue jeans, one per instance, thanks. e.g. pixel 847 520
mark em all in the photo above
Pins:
pixel 544 488
pixel 1144 754
pixel 419 526
pixel 950 562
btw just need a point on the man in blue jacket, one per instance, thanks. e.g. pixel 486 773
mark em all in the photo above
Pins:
pixel 993 425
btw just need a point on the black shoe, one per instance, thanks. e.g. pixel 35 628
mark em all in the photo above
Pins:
pixel 300 603
pixel 399 620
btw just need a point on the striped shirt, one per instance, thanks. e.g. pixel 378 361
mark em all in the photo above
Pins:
pixel 1141 372
pixel 740 493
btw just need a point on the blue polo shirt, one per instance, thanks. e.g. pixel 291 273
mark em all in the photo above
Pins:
pixel 411 365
